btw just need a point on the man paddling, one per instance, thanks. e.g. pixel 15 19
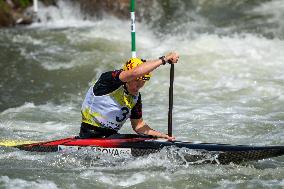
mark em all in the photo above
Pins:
pixel 115 97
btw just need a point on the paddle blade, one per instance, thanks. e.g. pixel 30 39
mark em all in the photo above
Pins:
pixel 12 143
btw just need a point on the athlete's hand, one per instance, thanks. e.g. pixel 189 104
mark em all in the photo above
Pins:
pixel 172 138
pixel 172 57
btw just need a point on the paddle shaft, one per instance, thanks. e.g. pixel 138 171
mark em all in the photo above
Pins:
pixel 171 98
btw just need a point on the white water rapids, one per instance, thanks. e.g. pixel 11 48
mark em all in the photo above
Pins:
pixel 227 89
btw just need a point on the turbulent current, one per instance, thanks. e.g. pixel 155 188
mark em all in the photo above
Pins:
pixel 228 88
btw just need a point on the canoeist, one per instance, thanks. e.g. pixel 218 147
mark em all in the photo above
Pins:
pixel 115 97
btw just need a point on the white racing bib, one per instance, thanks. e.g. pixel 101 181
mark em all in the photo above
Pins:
pixel 110 110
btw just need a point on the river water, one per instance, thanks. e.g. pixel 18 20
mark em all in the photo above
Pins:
pixel 229 88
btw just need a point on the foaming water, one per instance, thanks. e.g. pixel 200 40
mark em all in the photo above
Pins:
pixel 274 9
pixel 237 78
pixel 227 92
pixel 31 122
pixel 20 183
pixel 65 14
pixel 142 172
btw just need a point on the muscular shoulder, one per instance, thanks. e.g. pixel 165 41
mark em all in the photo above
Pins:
pixel 108 82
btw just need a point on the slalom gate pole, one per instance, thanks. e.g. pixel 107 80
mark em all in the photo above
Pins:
pixel 35 7
pixel 132 16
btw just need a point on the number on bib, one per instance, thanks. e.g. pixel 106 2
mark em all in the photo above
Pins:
pixel 125 112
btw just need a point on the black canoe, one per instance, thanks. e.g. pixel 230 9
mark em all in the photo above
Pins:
pixel 137 145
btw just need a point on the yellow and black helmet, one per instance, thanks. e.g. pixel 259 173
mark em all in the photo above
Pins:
pixel 134 62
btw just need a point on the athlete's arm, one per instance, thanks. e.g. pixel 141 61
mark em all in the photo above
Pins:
pixel 146 68
pixel 140 127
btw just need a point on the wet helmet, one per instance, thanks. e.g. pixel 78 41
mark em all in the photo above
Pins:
pixel 134 62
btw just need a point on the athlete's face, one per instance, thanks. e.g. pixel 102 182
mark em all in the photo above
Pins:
pixel 134 86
